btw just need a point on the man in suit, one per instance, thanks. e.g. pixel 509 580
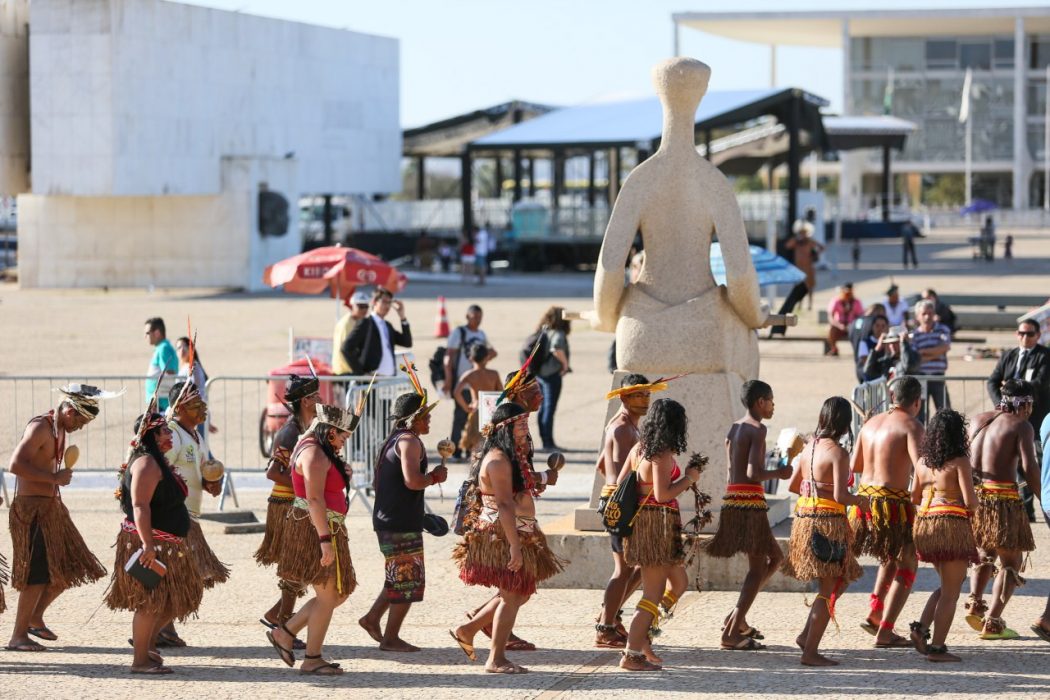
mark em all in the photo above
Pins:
pixel 370 346
pixel 1030 362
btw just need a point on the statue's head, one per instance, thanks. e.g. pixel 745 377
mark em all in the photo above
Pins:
pixel 681 82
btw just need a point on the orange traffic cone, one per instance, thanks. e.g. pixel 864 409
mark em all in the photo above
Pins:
pixel 441 330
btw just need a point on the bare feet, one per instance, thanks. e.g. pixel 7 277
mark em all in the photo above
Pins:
pixel 372 627
pixel 939 654
pixel 817 660
pixel 397 644
pixel 651 656
pixel 800 641
pixel 505 667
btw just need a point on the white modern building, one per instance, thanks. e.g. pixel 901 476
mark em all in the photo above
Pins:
pixel 154 143
pixel 912 64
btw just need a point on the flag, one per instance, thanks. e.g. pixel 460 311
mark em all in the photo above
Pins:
pixel 887 96
pixel 964 108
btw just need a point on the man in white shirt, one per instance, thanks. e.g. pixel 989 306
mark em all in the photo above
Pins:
pixel 370 346
pixel 457 363
pixel 896 308
pixel 482 246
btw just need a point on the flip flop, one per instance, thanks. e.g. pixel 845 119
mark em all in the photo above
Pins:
pixel 520 645
pixel 286 654
pixel 326 669
pixel 1041 632
pixel 468 649
pixel 869 627
pixel 267 624
pixel 26 646
pixel 897 642
pixel 508 668
pixel 167 639
pixel 297 644
pixel 745 644
pixel 153 671
pixel 754 633
pixel 43 633
pixel 1006 634
pixel 976 622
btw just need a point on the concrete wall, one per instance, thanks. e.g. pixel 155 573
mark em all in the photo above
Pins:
pixel 14 97
pixel 141 97
pixel 155 125
pixel 165 241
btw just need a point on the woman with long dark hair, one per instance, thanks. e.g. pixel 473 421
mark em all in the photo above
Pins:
pixel 153 498
pixel 504 546
pixel 655 543
pixel 315 550
pixel 943 490
pixel 821 545
pixel 551 372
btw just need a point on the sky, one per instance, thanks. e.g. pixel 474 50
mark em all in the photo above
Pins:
pixel 462 55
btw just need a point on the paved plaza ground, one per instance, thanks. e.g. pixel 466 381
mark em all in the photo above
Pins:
pixel 97 332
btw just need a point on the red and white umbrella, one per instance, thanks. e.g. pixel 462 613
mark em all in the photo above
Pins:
pixel 338 269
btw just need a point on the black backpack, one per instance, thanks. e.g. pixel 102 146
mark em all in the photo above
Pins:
pixel 436 365
pixel 543 353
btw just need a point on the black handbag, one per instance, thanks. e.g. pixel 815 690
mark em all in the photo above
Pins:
pixel 826 550
pixel 621 508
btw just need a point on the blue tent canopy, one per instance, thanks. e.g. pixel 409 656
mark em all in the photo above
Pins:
pixel 771 268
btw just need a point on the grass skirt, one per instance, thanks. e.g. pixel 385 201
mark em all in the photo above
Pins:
pixel 656 538
pixel 944 537
pixel 178 594
pixel 300 556
pixel 801 562
pixel 742 530
pixel 1002 523
pixel 211 570
pixel 269 551
pixel 885 529
pixel 483 553
pixel 69 561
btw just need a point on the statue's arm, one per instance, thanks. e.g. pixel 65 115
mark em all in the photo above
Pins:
pixel 741 278
pixel 612 260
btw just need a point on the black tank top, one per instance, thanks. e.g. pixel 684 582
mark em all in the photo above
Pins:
pixel 397 507
pixel 167 507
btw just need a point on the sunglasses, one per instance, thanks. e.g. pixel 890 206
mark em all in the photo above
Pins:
pixel 1027 334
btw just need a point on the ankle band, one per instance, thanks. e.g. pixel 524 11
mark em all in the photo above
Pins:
pixel 905 577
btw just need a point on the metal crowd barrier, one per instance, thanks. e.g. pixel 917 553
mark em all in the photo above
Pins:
pixel 966 394
pixel 239 407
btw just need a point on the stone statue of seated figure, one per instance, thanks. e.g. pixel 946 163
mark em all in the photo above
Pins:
pixel 675 318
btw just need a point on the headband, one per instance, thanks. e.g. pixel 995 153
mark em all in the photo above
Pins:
pixel 493 427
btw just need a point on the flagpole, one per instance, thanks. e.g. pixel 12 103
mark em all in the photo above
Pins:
pixel 967 118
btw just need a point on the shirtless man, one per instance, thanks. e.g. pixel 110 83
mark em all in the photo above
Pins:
pixel 527 394
pixel 743 525
pixel 49 553
pixel 475 380
pixel 886 451
pixel 621 434
pixel 998 440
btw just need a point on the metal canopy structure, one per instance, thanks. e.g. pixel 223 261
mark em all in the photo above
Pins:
pixel 636 124
pixel 450 137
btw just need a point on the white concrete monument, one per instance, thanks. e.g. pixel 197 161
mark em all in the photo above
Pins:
pixel 675 318
pixel 170 142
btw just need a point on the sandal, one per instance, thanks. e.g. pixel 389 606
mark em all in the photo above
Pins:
pixel 995 629
pixel 297 644
pixel 158 670
pixel 1041 631
pixel 508 668
pixel 745 644
pixel 286 654
pixel 941 650
pixel 870 627
pixel 168 639
pixel 520 644
pixel 325 669
pixel 896 642
pixel 43 633
pixel 637 662
pixel 920 637
pixel 467 648
pixel 608 638
pixel 975 610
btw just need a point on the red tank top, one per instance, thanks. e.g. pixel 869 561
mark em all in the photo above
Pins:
pixel 648 498
pixel 334 494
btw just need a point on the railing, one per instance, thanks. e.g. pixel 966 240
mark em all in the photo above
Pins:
pixel 966 394
pixel 246 411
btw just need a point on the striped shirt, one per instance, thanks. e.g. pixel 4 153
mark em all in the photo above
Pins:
pixel 924 340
